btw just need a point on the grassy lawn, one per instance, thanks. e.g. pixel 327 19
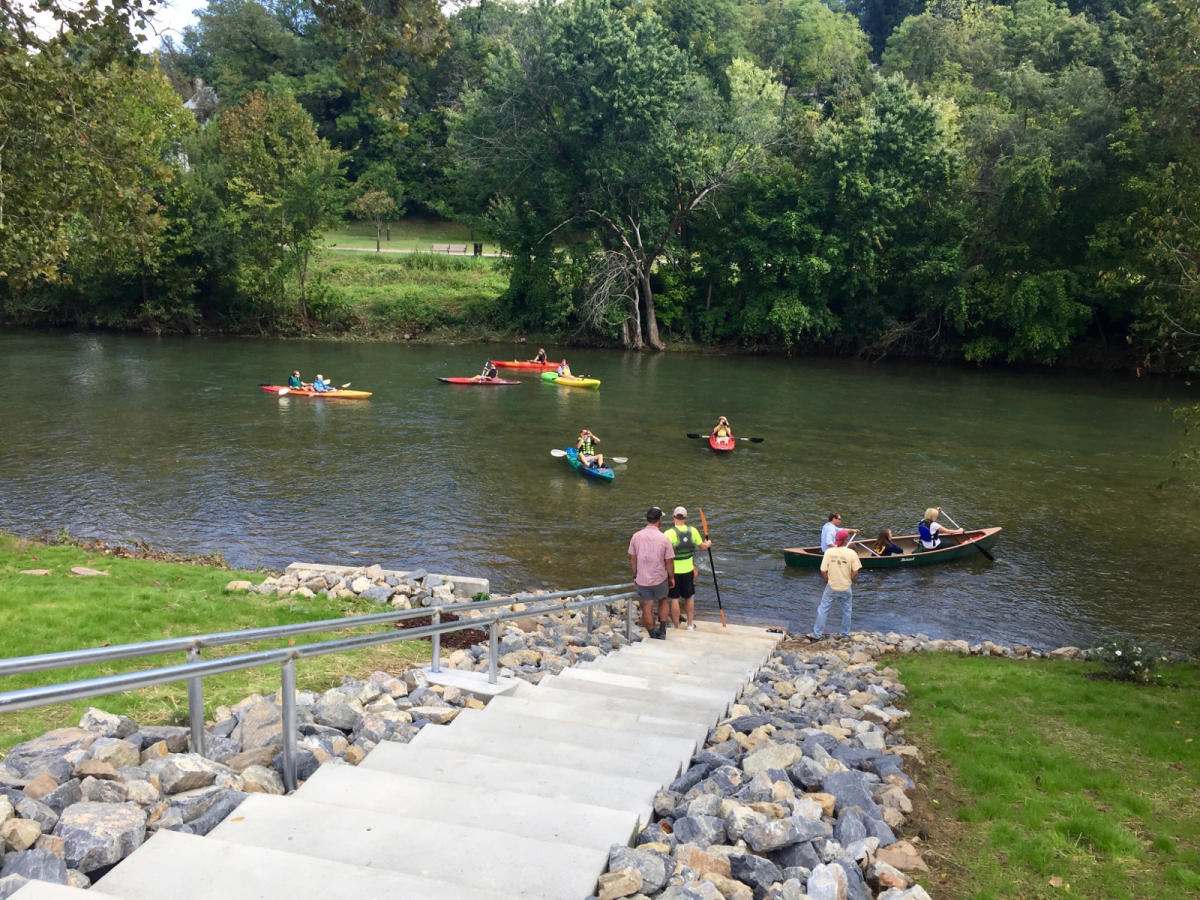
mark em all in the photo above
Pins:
pixel 145 600
pixel 1042 782
pixel 412 233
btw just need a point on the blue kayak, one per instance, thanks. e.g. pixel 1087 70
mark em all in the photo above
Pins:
pixel 604 473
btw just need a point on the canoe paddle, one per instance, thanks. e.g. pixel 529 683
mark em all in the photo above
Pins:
pixel 969 540
pixel 753 440
pixel 712 565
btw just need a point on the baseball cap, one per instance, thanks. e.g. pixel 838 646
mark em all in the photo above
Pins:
pixel 653 514
pixel 841 537
pixel 681 512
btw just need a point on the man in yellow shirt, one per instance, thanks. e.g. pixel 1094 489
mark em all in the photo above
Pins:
pixel 839 568
pixel 686 540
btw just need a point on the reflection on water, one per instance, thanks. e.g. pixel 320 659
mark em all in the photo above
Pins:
pixel 172 442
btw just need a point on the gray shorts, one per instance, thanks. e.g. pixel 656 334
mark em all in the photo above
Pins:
pixel 652 593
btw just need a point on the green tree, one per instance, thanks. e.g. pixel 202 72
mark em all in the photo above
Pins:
pixel 374 206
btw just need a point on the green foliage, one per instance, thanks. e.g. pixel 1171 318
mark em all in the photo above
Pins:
pixel 1126 659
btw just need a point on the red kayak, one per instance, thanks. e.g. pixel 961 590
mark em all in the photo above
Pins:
pixel 523 364
pixel 722 444
pixel 477 380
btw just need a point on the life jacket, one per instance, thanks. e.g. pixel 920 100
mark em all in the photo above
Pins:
pixel 926 533
pixel 293 381
pixel 587 446
pixel 685 547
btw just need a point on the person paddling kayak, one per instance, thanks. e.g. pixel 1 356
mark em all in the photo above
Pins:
pixel 588 455
pixel 564 369
pixel 321 385
pixel 294 380
pixel 488 373
pixel 723 428
pixel 541 355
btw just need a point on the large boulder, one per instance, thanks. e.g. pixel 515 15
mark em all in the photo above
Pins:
pixel 100 834
pixel 48 753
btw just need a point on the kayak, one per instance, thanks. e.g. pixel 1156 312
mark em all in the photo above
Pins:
pixel 965 545
pixel 570 380
pixel 523 364
pixel 477 380
pixel 604 473
pixel 338 394
pixel 721 444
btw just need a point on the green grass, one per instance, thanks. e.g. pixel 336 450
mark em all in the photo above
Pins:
pixel 1037 772
pixel 412 233
pixel 145 600
pixel 388 295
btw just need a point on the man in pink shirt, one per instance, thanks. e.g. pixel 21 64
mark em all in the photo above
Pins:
pixel 651 558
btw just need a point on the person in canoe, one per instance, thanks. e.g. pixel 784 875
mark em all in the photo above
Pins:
pixel 588 454
pixel 320 385
pixel 723 428
pixel 294 380
pixel 488 373
pixel 829 530
pixel 564 369
pixel 930 530
pixel 541 355
pixel 885 545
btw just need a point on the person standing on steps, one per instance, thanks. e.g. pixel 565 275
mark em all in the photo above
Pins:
pixel 686 540
pixel 839 568
pixel 650 557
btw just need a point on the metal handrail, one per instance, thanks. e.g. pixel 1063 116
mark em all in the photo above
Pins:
pixel 194 670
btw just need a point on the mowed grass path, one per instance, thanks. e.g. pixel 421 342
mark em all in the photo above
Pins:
pixel 410 234
pixel 1044 782
pixel 145 600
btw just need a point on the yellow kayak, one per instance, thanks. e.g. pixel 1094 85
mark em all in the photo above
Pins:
pixel 571 380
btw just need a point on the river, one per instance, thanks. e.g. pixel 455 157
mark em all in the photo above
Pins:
pixel 170 441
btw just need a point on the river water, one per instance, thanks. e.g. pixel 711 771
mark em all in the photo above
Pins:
pixel 170 441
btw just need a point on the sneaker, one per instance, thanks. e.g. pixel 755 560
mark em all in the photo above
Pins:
pixel 660 632
pixel 692 627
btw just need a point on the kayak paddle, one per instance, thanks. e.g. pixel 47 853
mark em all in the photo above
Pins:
pixel 969 540
pixel 617 459
pixel 712 565
pixel 753 440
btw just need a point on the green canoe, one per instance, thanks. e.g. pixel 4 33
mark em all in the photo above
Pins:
pixel 955 546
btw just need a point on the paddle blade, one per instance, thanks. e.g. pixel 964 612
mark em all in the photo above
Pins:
pixel 754 440
pixel 559 453
pixel 704 523
pixel 694 436
pixel 283 391
pixel 347 384
pixel 618 459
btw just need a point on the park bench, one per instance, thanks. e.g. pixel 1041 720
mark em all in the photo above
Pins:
pixel 450 248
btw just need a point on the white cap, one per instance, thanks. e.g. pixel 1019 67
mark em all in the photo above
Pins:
pixel 680 512
pixel 320 377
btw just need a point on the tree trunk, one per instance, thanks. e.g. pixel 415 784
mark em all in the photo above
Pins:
pixel 378 233
pixel 647 295
pixel 303 295
pixel 631 330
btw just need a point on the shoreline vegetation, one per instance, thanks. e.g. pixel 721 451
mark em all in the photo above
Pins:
pixel 1039 777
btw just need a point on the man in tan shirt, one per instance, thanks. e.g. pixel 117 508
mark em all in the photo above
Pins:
pixel 839 568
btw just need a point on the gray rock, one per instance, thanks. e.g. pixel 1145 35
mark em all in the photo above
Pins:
pixel 189 771
pixel 848 790
pixel 702 830
pixel 220 749
pixel 827 882
pixel 379 593
pixel 28 808
pixel 779 833
pixel 101 790
pixel 655 867
pixel 798 855
pixel 10 884
pixel 100 834
pixel 46 753
pixel 36 865
pixel 856 885
pixel 755 871
pixel 175 736
pixel 107 724
pixel 259 725
pixel 850 827
pixel 64 795
pixel 215 814
pixel 117 752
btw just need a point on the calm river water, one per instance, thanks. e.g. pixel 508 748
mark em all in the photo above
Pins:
pixel 171 441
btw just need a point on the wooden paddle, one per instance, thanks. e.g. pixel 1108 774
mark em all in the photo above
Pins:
pixel 969 540
pixel 753 440
pixel 712 565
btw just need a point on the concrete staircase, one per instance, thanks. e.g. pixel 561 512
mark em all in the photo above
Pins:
pixel 522 799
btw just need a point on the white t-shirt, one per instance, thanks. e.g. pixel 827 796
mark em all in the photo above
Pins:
pixel 934 528
pixel 828 533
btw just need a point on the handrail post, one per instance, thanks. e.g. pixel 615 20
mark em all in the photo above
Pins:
pixel 629 618
pixel 435 664
pixel 287 682
pixel 195 691
pixel 493 650
pixel 589 620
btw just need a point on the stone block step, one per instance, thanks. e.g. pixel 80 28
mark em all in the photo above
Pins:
pixel 520 813
pixel 688 687
pixel 586 759
pixel 596 735
pixel 650 664
pixel 475 857
pixel 44 890
pixel 188 867
pixel 556 779
pixel 747 631
pixel 599 709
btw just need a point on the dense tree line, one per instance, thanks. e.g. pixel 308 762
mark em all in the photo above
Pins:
pixel 1010 181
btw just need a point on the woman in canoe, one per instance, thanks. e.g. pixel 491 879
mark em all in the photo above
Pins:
pixel 488 373
pixel 320 385
pixel 723 428
pixel 588 455
pixel 541 355
pixel 885 545
pixel 930 531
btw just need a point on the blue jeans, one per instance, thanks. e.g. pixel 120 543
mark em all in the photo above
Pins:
pixel 827 598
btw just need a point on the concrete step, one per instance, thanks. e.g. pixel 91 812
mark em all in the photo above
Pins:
pixel 556 779
pixel 188 867
pixel 746 631
pixel 648 662
pixel 520 813
pixel 600 709
pixel 585 759
pixel 596 735
pixel 693 687
pixel 44 890
pixel 474 857
pixel 667 701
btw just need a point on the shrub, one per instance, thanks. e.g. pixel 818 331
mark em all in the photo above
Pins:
pixel 1125 659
